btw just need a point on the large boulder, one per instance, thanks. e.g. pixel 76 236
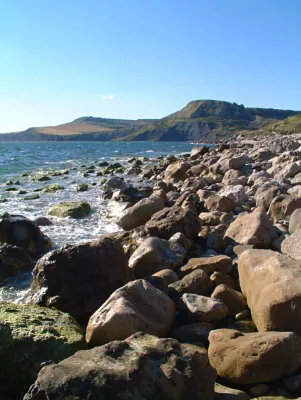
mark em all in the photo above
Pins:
pixel 140 213
pixel 271 282
pixel 13 260
pixel 31 335
pixel 252 229
pixel 167 222
pixel 78 279
pixel 74 209
pixel 254 357
pixel 155 254
pixel 283 206
pixel 137 306
pixel 141 367
pixel 291 245
pixel 22 232
pixel 177 171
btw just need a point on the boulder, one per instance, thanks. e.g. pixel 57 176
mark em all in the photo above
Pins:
pixel 295 221
pixel 140 213
pixel 52 188
pixel 177 171
pixel 266 193
pixel 155 254
pixel 78 279
pixel 252 229
pixel 207 264
pixel 197 282
pixel 283 206
pixel 236 193
pixel 167 222
pixel 234 300
pixel 31 335
pixel 115 183
pixel 42 221
pixel 141 367
pixel 13 260
pixel 137 306
pixel 219 278
pixel 22 232
pixel 271 283
pixel 196 308
pixel 168 275
pixel 220 203
pixel 263 357
pixel 74 209
pixel 235 162
pixel 291 245
pixel 198 152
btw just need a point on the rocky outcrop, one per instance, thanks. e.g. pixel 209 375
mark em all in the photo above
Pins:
pixel 141 367
pixel 31 335
pixel 137 306
pixel 78 279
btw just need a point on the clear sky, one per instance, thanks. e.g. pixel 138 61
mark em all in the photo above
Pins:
pixel 63 59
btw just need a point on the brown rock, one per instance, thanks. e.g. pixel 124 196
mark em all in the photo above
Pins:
pixel 295 221
pixel 218 278
pixel 263 357
pixel 202 309
pixel 283 206
pixel 207 264
pixel 220 203
pixel 177 171
pixel 137 306
pixel 234 300
pixel 291 245
pixel 197 282
pixel 196 332
pixel 168 275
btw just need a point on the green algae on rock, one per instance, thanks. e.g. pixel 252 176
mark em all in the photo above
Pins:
pixel 75 209
pixel 29 336
pixel 82 187
pixel 52 188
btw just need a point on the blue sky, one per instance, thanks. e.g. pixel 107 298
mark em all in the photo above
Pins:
pixel 63 59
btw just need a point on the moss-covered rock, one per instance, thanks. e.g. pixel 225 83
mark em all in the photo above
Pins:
pixel 82 187
pixel 52 188
pixel 11 189
pixel 22 192
pixel 31 197
pixel 75 209
pixel 41 178
pixel 29 336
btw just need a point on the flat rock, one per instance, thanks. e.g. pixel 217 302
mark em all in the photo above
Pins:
pixel 207 264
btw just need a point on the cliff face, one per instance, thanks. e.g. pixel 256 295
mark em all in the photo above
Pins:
pixel 198 120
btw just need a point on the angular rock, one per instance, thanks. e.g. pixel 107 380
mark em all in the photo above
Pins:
pixel 198 308
pixel 197 282
pixel 236 193
pixel 207 264
pixel 234 300
pixel 31 335
pixel 177 171
pixel 78 279
pixel 263 357
pixel 271 283
pixel 137 306
pixel 220 203
pixel 22 232
pixel 168 275
pixel 252 229
pixel 140 213
pixel 291 245
pixel 75 209
pixel 167 222
pixel 283 206
pixel 295 221
pixel 141 367
pixel 225 393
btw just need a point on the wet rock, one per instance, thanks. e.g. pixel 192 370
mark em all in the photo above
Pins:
pixel 22 232
pixel 43 221
pixel 154 255
pixel 234 300
pixel 140 213
pixel 78 279
pixel 13 260
pixel 31 335
pixel 271 283
pixel 82 187
pixel 52 188
pixel 281 351
pixel 115 183
pixel 167 222
pixel 137 306
pixel 252 229
pixel 207 264
pixel 74 209
pixel 141 367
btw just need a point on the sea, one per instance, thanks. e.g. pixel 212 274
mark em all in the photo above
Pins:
pixel 21 161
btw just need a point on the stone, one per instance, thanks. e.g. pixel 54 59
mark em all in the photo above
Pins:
pixel 197 152
pixel 271 283
pixel 197 282
pixel 266 193
pixel 177 171
pixel 234 300
pixel 13 260
pixel 220 203
pixel 168 275
pixel 295 221
pixel 167 222
pixel 140 213
pixel 193 332
pixel 153 255
pixel 115 183
pixel 291 245
pixel 137 306
pixel 198 308
pixel 52 188
pixel 280 351
pixel 31 335
pixel 282 207
pixel 82 187
pixel 42 221
pixel 78 279
pixel 141 367
pixel 74 209
pixel 218 278
pixel 22 232
pixel 207 264
pixel 252 229
pixel 236 193
pixel 224 393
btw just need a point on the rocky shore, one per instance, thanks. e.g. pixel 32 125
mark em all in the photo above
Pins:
pixel 198 295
